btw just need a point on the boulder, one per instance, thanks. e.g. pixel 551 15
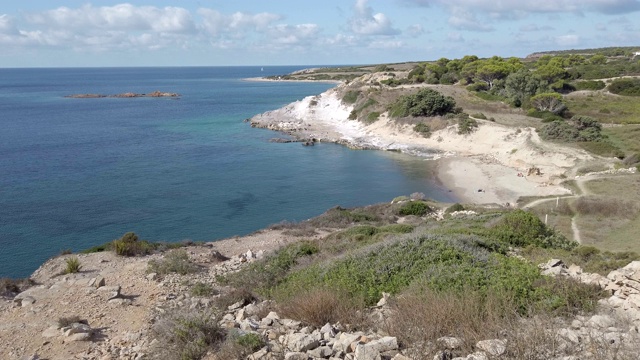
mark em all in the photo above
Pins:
pixel 493 347
pixel 301 342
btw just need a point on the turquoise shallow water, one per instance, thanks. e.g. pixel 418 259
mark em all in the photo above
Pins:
pixel 79 172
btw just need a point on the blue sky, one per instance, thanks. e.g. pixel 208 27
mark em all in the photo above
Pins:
pixel 44 33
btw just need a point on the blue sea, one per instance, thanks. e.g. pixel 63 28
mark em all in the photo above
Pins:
pixel 75 173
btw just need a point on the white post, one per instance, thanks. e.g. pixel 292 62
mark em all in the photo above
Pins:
pixel 546 217
pixel 557 201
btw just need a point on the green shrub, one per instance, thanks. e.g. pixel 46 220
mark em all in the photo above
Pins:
pixel 422 129
pixel 589 85
pixel 353 115
pixel 479 116
pixel 373 117
pixel 522 228
pixel 426 102
pixel 129 245
pixel 201 289
pixel 453 208
pixel 578 128
pixel 625 86
pixel 72 265
pixel 175 261
pixel 351 97
pixel 477 87
pixel 251 342
pixel 466 125
pixel 417 208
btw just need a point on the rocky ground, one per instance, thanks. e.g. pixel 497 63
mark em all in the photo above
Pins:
pixel 106 311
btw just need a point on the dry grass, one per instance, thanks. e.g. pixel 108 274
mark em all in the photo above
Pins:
pixel 606 207
pixel 420 318
pixel 608 108
pixel 11 287
pixel 320 306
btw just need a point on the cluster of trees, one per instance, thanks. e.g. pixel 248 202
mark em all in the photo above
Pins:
pixel 517 81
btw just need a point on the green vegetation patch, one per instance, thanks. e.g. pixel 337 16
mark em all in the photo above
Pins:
pixel 426 102
pixel 625 86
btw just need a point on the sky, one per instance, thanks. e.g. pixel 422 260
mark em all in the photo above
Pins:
pixel 70 33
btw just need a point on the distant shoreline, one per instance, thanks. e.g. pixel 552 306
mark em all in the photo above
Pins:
pixel 264 79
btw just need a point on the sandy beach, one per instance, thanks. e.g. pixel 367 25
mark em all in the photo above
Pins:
pixel 495 164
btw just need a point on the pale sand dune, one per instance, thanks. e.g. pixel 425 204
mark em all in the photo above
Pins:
pixel 488 159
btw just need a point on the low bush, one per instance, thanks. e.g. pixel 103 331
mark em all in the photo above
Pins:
pixel 577 129
pixel 466 125
pixel 522 228
pixel 130 245
pixel 340 217
pixel 422 129
pixel 72 265
pixel 479 116
pixel 351 97
pixel 318 306
pixel 186 334
pixel 175 261
pixel 453 208
pixel 201 289
pixel 417 208
pixel 625 86
pixel 251 342
pixel 426 102
pixel 373 117
pixel 589 85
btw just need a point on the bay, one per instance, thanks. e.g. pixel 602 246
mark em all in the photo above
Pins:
pixel 75 173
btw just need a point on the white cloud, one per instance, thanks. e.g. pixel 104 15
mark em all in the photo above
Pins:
pixel 293 34
pixel 534 27
pixel 567 40
pixel 6 25
pixel 455 37
pixel 415 30
pixel 464 19
pixel 365 22
pixel 519 8
pixel 124 17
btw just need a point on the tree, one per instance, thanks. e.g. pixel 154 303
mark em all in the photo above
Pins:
pixel 551 72
pixel 551 102
pixel 496 68
pixel 598 59
pixel 521 85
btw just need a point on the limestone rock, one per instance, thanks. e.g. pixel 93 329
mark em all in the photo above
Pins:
pixel 492 347
pixel 301 342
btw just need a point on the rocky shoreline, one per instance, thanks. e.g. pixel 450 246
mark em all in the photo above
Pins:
pixel 155 94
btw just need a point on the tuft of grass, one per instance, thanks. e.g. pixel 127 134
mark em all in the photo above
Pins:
pixel 176 261
pixel 72 265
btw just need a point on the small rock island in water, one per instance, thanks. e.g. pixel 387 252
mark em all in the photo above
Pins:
pixel 123 95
